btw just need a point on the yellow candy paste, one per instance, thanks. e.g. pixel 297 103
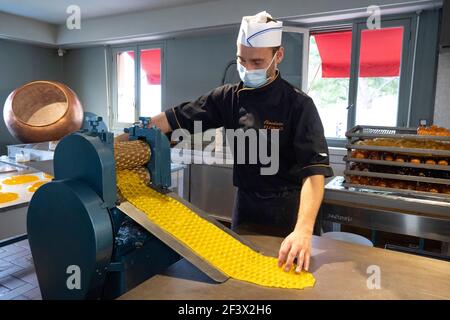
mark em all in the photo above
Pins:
pixel 226 253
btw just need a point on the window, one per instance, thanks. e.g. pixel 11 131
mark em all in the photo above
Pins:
pixel 137 90
pixel 329 79
pixel 359 76
pixel 379 77
pixel 150 79
pixel 126 102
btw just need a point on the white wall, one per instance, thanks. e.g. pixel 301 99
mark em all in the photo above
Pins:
pixel 19 64
pixel 209 14
pixel 155 24
pixel 84 71
pixel 28 30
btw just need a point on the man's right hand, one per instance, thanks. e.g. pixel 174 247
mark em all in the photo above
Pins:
pixel 161 122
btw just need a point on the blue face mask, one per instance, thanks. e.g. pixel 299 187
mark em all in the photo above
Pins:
pixel 254 78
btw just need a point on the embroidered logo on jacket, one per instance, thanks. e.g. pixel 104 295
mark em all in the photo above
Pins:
pixel 273 125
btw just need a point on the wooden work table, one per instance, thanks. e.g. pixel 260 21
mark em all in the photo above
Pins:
pixel 340 270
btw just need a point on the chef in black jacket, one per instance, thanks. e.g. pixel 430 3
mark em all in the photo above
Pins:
pixel 288 201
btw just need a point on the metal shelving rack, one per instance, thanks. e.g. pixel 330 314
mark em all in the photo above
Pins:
pixel 360 133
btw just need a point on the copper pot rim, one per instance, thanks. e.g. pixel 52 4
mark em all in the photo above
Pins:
pixel 56 84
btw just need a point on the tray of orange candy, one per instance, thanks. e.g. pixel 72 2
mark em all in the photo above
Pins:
pixel 422 142
pixel 433 131
pixel 19 188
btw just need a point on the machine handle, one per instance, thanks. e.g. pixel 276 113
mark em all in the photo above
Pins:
pixel 94 122
pixel 145 121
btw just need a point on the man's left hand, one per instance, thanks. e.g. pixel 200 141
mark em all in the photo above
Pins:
pixel 296 245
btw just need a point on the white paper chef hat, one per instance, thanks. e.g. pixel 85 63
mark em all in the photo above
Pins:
pixel 260 31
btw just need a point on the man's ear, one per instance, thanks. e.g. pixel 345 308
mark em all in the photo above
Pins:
pixel 280 55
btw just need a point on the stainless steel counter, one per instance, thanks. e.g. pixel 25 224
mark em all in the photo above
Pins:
pixel 13 214
pixel 208 181
pixel 21 189
pixel 423 217
pixel 341 270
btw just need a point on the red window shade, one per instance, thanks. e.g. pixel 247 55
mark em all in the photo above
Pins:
pixel 151 64
pixel 380 53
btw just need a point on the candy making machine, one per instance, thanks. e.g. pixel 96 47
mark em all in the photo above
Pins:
pixel 84 238
pixel 74 224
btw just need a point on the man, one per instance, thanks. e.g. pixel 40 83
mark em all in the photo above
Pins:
pixel 288 201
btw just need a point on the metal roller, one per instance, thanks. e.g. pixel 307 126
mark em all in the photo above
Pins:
pixel 131 154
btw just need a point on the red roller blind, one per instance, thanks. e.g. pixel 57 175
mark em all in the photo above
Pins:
pixel 151 64
pixel 380 54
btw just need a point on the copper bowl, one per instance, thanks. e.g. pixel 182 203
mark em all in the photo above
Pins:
pixel 42 111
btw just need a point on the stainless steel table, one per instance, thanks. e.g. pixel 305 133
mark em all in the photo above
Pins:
pixel 340 268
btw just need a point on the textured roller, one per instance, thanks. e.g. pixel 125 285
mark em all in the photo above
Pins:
pixel 131 154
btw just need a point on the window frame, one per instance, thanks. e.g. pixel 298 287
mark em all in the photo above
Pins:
pixel 305 32
pixel 408 22
pixel 136 48
pixel 404 102
pixel 334 142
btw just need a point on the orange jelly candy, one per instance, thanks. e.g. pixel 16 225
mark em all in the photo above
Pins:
pixel 36 185
pixel 8 197
pixel 20 179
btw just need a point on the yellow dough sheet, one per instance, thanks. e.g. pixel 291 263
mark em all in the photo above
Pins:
pixel 220 249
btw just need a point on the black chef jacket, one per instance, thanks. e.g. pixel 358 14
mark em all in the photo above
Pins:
pixel 277 105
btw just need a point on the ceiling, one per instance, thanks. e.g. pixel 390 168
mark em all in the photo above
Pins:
pixel 54 11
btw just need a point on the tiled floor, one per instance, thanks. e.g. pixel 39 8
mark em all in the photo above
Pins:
pixel 17 277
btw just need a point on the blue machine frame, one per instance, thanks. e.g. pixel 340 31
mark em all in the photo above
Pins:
pixel 83 246
pixel 159 165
